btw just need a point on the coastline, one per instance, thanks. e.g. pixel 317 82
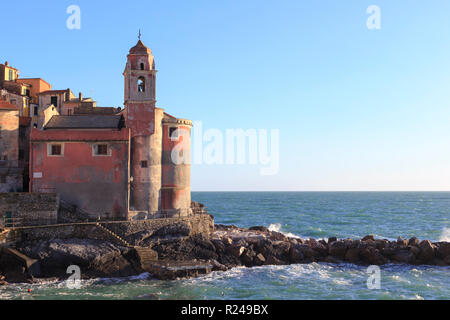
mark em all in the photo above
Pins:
pixel 169 256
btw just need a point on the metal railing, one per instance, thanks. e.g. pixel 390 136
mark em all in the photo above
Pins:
pixel 12 222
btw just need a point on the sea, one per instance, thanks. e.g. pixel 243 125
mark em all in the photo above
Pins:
pixel 386 215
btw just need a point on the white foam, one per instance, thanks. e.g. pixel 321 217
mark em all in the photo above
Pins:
pixel 445 235
pixel 277 228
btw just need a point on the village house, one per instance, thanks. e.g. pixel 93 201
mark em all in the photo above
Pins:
pixel 113 163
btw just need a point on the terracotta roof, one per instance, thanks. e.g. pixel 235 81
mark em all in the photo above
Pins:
pixel 53 91
pixel 85 122
pixel 5 105
pixel 80 135
pixel 140 48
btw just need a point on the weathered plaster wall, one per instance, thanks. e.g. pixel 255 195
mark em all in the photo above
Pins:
pixel 96 184
pixel 176 177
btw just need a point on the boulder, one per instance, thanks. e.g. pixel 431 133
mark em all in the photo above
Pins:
pixel 413 242
pixel 259 260
pixel 338 249
pixel 295 255
pixel 427 251
pixel 235 251
pixel 401 242
pixel 444 250
pixel 277 236
pixel 368 237
pixel 403 256
pixel 352 255
pixel 332 239
pixel 259 228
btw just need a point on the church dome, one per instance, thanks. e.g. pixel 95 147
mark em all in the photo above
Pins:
pixel 140 48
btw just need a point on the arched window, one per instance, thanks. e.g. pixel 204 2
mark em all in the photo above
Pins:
pixel 141 84
pixel 142 66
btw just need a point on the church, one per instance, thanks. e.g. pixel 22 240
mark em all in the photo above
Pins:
pixel 123 164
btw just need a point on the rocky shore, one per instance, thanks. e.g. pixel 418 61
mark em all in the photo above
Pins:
pixel 168 256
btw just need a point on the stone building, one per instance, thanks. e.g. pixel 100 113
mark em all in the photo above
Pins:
pixel 130 163
pixel 13 149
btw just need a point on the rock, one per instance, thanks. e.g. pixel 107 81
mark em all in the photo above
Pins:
pixel 227 241
pixel 259 260
pixel 415 250
pixel 444 250
pixel 281 250
pixel 320 248
pixel 372 256
pixel 259 228
pixel 401 242
pixel 447 260
pixel 219 245
pixel 332 239
pixel 176 229
pixel 368 237
pixel 247 257
pixel 403 256
pixel 381 244
pixel 235 251
pixel 427 251
pixel 295 255
pixel 338 249
pixel 352 255
pixel 413 242
pixel 217 266
pixel 331 259
pixel 271 260
pixel 277 236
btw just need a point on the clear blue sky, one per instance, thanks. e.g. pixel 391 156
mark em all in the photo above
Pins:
pixel 357 109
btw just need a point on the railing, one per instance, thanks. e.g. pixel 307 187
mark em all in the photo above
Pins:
pixel 12 222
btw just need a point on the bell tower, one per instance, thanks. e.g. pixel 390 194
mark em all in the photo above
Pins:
pixel 145 121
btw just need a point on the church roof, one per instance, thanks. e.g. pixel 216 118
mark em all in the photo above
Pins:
pixel 86 122
pixel 5 105
pixel 140 48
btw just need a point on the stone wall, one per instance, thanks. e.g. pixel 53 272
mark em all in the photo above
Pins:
pixel 197 224
pixel 28 209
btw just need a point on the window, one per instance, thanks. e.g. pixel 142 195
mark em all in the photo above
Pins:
pixel 144 164
pixel 27 92
pixel 11 75
pixel 141 84
pixel 100 150
pixel 35 111
pixel 56 150
pixel 21 154
pixel 54 101
pixel 142 66
pixel 69 112
pixel 173 133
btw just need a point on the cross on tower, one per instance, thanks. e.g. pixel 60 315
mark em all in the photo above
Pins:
pixel 139 35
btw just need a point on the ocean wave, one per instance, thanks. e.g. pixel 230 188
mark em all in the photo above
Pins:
pixel 445 235
pixel 277 227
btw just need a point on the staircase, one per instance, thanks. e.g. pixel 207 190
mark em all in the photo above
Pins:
pixel 114 235
pixel 147 257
